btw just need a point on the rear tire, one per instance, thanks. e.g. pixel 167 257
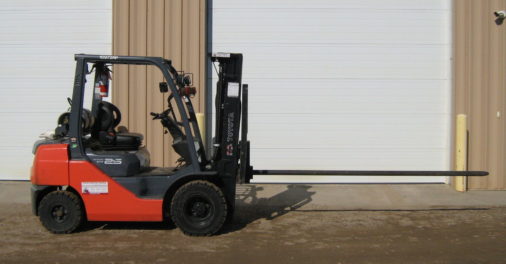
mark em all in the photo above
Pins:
pixel 199 208
pixel 61 212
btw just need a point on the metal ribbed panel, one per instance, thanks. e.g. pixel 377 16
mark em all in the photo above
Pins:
pixel 479 83
pixel 172 29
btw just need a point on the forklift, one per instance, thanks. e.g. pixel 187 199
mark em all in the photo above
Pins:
pixel 90 169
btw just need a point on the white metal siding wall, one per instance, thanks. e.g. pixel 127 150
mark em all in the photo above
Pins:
pixel 38 40
pixel 344 84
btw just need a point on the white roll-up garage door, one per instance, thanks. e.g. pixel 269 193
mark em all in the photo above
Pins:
pixel 351 84
pixel 38 40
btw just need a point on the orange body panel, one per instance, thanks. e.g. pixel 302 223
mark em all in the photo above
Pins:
pixel 50 165
pixel 117 204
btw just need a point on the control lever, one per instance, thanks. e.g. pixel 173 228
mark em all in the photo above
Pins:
pixel 155 115
pixel 160 115
pixel 169 123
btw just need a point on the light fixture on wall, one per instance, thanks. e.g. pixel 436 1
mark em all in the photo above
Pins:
pixel 500 16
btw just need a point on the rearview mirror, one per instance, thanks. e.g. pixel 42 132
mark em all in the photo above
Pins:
pixel 163 87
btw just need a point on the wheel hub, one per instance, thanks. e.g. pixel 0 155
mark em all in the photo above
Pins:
pixel 199 209
pixel 59 213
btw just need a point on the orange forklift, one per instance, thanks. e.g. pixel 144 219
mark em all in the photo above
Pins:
pixel 92 170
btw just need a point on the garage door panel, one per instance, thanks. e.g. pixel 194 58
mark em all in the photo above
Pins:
pixel 331 26
pixel 353 159
pixel 420 36
pixel 332 20
pixel 326 4
pixel 343 53
pixel 350 61
pixel 348 96
pixel 48 101
pixel 301 105
pixel 46 71
pixel 58 22
pixel 84 36
pixel 36 86
pixel 54 5
pixel 45 53
pixel 347 87
pixel 37 61
pixel 16 163
pixel 361 131
pixel 24 128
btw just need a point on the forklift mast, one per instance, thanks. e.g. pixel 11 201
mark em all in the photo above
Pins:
pixel 228 117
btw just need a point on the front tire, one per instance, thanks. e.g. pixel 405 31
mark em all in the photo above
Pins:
pixel 199 208
pixel 61 212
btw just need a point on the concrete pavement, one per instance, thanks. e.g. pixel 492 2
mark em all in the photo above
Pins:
pixel 283 224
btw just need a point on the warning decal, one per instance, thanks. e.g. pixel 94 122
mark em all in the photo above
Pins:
pixel 94 187
pixel 233 89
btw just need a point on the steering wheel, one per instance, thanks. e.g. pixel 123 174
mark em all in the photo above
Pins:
pixel 109 116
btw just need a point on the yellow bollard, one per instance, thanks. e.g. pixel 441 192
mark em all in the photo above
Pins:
pixel 460 182
pixel 202 126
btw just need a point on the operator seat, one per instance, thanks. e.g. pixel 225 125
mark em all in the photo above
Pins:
pixel 107 118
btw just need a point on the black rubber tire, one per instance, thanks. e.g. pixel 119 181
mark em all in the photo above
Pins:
pixel 199 208
pixel 61 212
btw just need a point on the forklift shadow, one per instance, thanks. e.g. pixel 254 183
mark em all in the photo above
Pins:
pixel 250 208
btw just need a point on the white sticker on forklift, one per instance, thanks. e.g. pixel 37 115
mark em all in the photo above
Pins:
pixel 94 187
pixel 233 89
